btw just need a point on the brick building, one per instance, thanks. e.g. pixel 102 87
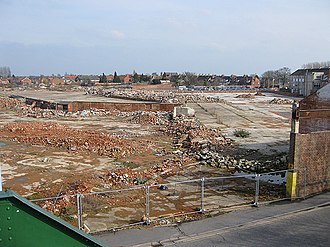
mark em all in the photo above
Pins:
pixel 307 81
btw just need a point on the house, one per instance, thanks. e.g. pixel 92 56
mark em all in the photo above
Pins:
pixel 168 75
pixel 26 81
pixel 23 223
pixel 69 79
pixel 255 81
pixel 87 80
pixel 252 81
pixel 109 78
pixel 126 78
pixel 56 81
pixel 306 81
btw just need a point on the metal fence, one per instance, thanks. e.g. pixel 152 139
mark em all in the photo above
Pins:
pixel 175 201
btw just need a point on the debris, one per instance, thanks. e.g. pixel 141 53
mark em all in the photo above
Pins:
pixel 158 96
pixel 245 96
pixel 53 134
pixel 280 101
pixel 9 103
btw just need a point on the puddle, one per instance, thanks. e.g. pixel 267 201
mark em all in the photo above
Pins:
pixel 273 178
pixel 2 144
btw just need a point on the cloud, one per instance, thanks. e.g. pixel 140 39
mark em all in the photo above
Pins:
pixel 117 34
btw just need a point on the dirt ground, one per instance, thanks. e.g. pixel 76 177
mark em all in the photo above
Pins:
pixel 269 124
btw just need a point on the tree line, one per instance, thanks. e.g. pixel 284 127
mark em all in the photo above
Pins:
pixel 316 65
pixel 276 78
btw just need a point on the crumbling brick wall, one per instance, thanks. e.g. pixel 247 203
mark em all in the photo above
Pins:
pixel 79 106
pixel 313 153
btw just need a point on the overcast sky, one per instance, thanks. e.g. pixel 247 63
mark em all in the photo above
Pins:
pixel 209 36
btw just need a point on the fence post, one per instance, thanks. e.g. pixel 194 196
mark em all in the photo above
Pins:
pixel 256 199
pixel 79 210
pixel 305 182
pixel 147 219
pixel 202 194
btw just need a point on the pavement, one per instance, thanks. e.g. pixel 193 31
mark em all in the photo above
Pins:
pixel 286 223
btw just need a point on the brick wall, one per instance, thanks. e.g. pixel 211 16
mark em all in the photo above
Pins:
pixel 308 125
pixel 313 153
pixel 79 106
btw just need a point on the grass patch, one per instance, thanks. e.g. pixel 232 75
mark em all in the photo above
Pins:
pixel 241 133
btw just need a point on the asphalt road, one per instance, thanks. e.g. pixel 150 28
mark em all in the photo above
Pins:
pixel 304 223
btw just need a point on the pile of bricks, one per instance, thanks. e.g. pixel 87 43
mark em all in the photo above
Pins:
pixel 279 101
pixel 35 112
pixel 190 134
pixel 158 96
pixel 127 177
pixel 52 134
pixel 6 102
pixel 245 96
pixel 153 118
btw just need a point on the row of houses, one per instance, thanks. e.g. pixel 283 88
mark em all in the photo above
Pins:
pixel 62 80
pixel 307 81
pixel 249 81
pixel 252 81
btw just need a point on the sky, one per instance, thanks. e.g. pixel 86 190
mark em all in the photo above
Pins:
pixel 210 36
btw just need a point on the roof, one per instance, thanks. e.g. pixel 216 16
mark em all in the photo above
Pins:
pixel 88 77
pixel 324 93
pixel 318 100
pixel 70 77
pixel 302 72
pixel 26 224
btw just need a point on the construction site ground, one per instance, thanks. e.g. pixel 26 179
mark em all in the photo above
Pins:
pixel 33 165
pixel 269 124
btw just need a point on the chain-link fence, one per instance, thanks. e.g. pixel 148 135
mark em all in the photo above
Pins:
pixel 181 199
pixel 65 207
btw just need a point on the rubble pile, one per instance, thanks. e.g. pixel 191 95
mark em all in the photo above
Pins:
pixel 259 94
pixel 144 117
pixel 190 134
pixel 114 179
pixel 57 135
pixel 127 177
pixel 245 96
pixel 241 164
pixel 6 102
pixel 64 201
pixel 279 101
pixel 35 112
pixel 157 96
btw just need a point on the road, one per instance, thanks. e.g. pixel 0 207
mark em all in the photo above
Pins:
pixel 303 223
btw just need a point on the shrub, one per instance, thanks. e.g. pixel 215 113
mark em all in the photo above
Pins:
pixel 241 133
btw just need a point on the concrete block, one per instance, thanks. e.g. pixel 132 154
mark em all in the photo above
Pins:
pixel 186 111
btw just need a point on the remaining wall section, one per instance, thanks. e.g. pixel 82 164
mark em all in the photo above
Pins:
pixel 313 154
pixel 79 106
pixel 310 145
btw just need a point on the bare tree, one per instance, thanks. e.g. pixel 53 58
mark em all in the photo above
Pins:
pixel 5 72
pixel 282 75
pixel 268 78
pixel 190 78
pixel 316 65
pixel 278 77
